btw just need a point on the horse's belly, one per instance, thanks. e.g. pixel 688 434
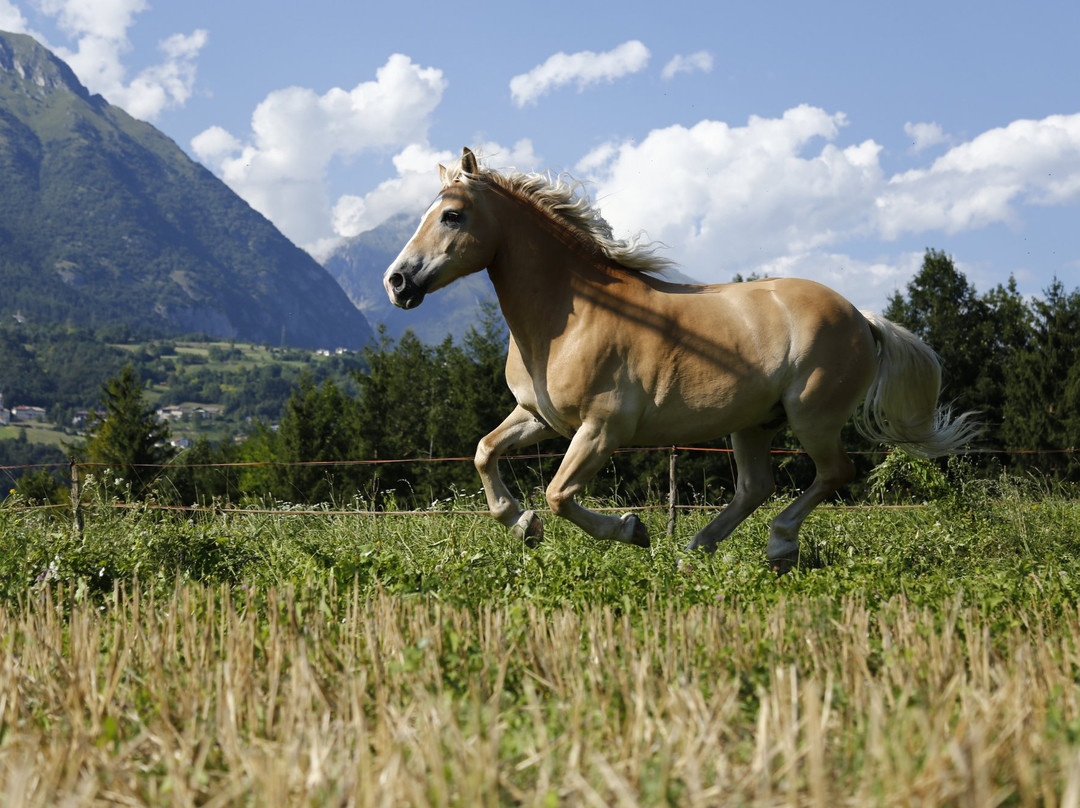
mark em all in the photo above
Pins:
pixel 678 423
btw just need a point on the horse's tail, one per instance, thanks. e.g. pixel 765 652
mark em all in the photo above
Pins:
pixel 901 406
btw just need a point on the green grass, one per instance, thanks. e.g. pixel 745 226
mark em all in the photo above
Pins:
pixel 926 655
pixel 43 433
pixel 981 537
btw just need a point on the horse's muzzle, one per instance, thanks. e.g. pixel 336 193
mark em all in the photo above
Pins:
pixel 402 291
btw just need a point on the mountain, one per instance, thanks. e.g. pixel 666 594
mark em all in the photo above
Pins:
pixel 105 221
pixel 358 266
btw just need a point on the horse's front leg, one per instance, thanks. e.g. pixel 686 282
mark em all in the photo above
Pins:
pixel 521 428
pixel 589 450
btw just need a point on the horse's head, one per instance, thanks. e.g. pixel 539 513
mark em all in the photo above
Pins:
pixel 454 239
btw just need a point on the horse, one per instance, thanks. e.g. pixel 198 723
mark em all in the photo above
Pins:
pixel 607 353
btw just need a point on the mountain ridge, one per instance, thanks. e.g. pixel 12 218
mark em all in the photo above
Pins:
pixel 105 220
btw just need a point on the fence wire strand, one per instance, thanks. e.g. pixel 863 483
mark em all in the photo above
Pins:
pixel 237 510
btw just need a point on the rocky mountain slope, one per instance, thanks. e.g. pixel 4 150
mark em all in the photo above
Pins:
pixel 104 221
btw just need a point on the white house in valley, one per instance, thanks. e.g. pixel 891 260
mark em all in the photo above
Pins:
pixel 25 412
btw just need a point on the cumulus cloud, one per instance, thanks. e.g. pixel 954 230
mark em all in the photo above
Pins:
pixel 924 135
pixel 11 19
pixel 584 69
pixel 215 145
pixel 781 195
pixel 985 180
pixel 99 29
pixel 416 184
pixel 701 61
pixel 165 85
pixel 732 197
pixel 281 167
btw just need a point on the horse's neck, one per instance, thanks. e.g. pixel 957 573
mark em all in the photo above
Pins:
pixel 540 278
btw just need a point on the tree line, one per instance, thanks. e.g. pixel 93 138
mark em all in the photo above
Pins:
pixel 1016 360
pixel 1013 359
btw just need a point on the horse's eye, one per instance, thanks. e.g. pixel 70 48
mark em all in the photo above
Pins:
pixel 450 216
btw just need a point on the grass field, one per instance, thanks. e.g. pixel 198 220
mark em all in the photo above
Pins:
pixel 37 433
pixel 922 656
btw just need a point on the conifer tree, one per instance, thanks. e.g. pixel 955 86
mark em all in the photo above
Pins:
pixel 942 309
pixel 129 443
pixel 319 429
pixel 1043 383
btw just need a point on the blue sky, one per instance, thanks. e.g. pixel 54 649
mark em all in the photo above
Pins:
pixel 835 141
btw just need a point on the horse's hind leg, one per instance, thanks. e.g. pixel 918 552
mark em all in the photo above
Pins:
pixel 834 470
pixel 521 428
pixel 589 450
pixel 753 485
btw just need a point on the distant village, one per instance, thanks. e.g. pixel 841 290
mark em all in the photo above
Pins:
pixel 172 414
pixel 20 413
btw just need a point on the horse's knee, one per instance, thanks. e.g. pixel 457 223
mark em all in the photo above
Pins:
pixel 756 491
pixel 558 499
pixel 837 477
pixel 482 457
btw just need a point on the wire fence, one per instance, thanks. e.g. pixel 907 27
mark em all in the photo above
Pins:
pixel 77 475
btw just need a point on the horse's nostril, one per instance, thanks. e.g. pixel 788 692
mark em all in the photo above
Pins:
pixel 397 281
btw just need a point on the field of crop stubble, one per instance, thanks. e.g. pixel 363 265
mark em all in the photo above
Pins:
pixel 923 656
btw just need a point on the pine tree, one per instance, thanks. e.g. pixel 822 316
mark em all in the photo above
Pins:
pixel 944 311
pixel 1043 383
pixel 128 444
pixel 320 428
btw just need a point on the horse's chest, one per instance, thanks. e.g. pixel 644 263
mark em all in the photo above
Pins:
pixel 557 410
pixel 565 394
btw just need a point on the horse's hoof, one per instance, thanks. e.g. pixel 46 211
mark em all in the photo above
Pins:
pixel 783 554
pixel 638 533
pixel 782 566
pixel 529 528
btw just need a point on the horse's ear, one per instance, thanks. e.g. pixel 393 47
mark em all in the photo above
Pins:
pixel 442 173
pixel 468 162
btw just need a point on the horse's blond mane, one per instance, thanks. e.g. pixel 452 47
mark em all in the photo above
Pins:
pixel 565 202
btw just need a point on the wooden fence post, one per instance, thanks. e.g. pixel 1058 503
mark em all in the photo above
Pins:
pixel 672 497
pixel 76 499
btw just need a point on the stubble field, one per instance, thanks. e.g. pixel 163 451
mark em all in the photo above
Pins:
pixel 921 656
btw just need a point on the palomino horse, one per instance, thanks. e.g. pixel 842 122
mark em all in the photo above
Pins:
pixel 606 354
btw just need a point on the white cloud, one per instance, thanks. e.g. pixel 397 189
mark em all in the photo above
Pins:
pixel 519 157
pixel 99 28
pixel 783 195
pixel 583 69
pixel 987 179
pixel 165 85
pixel 729 198
pixel 701 61
pixel 11 19
pixel 924 135
pixel 281 167
pixel 417 183
pixel 215 145
pixel 103 19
